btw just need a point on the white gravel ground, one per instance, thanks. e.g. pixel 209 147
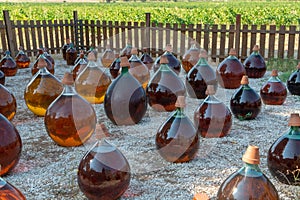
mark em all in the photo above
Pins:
pixel 48 171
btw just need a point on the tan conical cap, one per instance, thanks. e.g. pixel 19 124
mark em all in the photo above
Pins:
pixel 134 51
pixel 163 59
pixel 68 79
pixel 274 72
pixel 294 120
pixel 201 196
pixel 180 102
pixel 255 48
pixel 232 52
pixel 203 53
pixel 169 48
pixel 91 56
pixel 245 80
pixel 41 63
pixel 210 90
pixel 124 62
pixel 251 155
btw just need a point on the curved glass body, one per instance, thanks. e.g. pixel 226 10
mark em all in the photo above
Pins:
pixel 255 65
pixel 273 92
pixel 8 103
pixel 293 83
pixel 8 65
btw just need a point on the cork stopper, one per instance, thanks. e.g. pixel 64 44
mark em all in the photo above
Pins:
pixel 251 155
pixel 169 48
pixel 101 131
pixel 201 196
pixel 298 66
pixel 180 103
pixel 163 60
pixel 41 63
pixel 245 80
pixel 232 52
pixel 274 72
pixel 91 57
pixel 203 53
pixel 134 51
pixel 210 90
pixel 255 48
pixel 124 62
pixel 294 120
pixel 68 79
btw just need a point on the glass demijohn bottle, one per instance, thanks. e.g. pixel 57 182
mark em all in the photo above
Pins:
pixel 77 118
pixel 103 172
pixel 146 58
pixel 164 87
pixel 8 103
pixel 191 57
pixel 42 89
pixel 92 82
pixel 138 69
pixel 71 55
pixel 125 101
pixel 212 117
pixel 8 65
pixel 255 65
pixel 293 82
pixel 230 71
pixel 177 139
pixel 114 68
pixel 174 63
pixel 35 67
pixel 273 92
pixel 65 47
pixel 10 146
pixel 245 103
pixel 22 60
pixel 249 182
pixel 9 192
pixel 201 75
pixel 107 57
pixel 284 154
pixel 79 66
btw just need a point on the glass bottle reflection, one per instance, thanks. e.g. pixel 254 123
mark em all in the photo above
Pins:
pixel 10 146
pixel 273 92
pixel 212 117
pixel 249 182
pixel 70 120
pixel 177 139
pixel 164 87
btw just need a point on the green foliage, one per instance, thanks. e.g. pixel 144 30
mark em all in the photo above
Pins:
pixel 286 66
pixel 204 12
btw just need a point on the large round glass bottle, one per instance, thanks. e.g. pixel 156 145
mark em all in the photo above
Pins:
pixel 92 82
pixel 8 103
pixel 107 57
pixel 255 64
pixel 2 78
pixel 212 117
pixel 284 154
pixel 71 55
pixel 274 91
pixel 249 182
pixel 191 57
pixel 79 66
pixel 293 82
pixel 35 67
pixel 245 103
pixel 177 139
pixel 10 146
pixel 230 71
pixel 164 88
pixel 138 69
pixel 174 63
pixel 103 172
pixel 42 89
pixel 9 192
pixel 201 75
pixel 8 65
pixel 114 68
pixel 70 120
pixel 22 60
pixel 125 101
pixel 146 58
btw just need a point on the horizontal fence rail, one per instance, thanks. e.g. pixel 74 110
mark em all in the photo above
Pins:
pixel 275 42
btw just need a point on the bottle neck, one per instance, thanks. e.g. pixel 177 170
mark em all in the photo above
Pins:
pixel 294 130
pixel 246 86
pixel 134 58
pixel 250 170
pixel 124 70
pixel 255 52
pixel 274 79
pixel 179 113
pixel 164 67
pixel 69 90
pixel 211 99
pixel 202 61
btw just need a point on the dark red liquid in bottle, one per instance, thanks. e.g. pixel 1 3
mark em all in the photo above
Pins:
pixel 8 66
pixel 8 103
pixel 293 83
pixel 71 55
pixel 255 64
pixel 103 173
pixel 22 60
pixel 10 146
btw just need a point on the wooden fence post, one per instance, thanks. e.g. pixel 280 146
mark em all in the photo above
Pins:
pixel 11 39
pixel 147 39
pixel 237 34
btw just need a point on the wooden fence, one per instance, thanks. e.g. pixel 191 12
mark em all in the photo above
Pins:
pixel 275 42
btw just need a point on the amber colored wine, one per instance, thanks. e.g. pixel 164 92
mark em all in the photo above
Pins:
pixel 10 146
pixel 103 173
pixel 10 192
pixel 79 66
pixel 8 103
pixel 22 60
pixel 8 65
